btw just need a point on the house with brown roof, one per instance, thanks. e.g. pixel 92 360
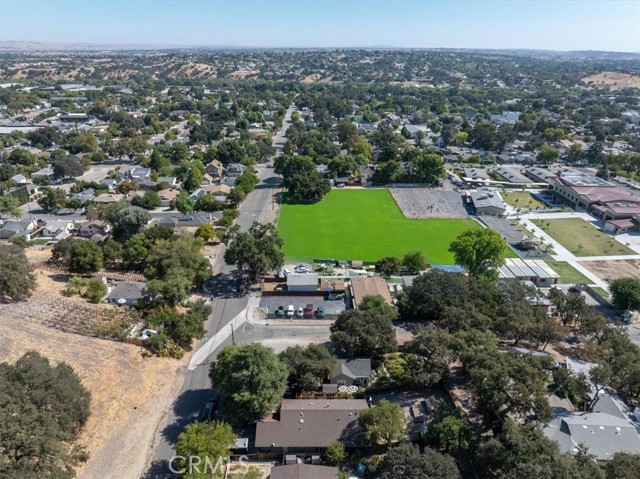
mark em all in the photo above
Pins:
pixel 371 286
pixel 215 169
pixel 304 471
pixel 167 196
pixel 304 425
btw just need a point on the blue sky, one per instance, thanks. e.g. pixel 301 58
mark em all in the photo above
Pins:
pixel 552 24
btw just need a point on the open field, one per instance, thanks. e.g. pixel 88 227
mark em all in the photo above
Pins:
pixel 522 199
pixel 610 270
pixel 129 393
pixel 612 80
pixel 568 274
pixel 363 225
pixel 582 238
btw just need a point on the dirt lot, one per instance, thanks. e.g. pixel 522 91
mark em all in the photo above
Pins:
pixel 613 80
pixel 129 393
pixel 610 270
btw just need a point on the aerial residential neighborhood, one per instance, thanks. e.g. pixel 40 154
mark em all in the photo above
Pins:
pixel 318 260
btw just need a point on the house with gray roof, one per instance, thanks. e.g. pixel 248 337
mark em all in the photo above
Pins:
pixel 488 202
pixel 352 372
pixel 18 228
pixel 127 293
pixel 304 471
pixel 609 429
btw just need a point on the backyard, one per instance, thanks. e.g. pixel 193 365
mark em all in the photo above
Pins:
pixel 522 199
pixel 363 225
pixel 582 238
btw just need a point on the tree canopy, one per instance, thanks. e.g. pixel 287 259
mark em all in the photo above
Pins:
pixel 250 381
pixel 308 367
pixel 480 251
pixel 17 281
pixel 256 251
pixel 363 333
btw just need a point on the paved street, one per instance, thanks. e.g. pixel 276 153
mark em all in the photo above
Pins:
pixel 196 388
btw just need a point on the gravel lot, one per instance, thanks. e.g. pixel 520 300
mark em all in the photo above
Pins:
pixel 418 202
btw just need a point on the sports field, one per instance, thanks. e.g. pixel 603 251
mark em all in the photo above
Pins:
pixel 363 225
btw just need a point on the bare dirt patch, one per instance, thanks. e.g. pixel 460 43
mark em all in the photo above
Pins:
pixel 612 80
pixel 610 270
pixel 129 393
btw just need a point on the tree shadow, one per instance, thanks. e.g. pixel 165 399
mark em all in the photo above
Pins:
pixel 186 408
pixel 159 470
pixel 223 285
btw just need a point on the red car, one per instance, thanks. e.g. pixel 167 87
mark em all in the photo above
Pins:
pixel 308 311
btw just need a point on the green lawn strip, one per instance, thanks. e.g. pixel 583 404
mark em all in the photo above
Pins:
pixel 568 274
pixel 582 238
pixel 363 225
pixel 522 199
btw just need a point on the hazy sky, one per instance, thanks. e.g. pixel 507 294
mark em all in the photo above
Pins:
pixel 553 24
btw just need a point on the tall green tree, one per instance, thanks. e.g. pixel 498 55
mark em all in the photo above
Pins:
pixel 308 367
pixel 17 281
pixel 363 333
pixel 257 251
pixel 85 257
pixel 250 380
pixel 10 205
pixel 406 461
pixel 211 442
pixel 382 423
pixel 480 251
pixel 388 266
pixel 414 261
pixel 625 293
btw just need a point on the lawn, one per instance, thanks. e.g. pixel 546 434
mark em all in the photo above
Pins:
pixel 522 199
pixel 582 238
pixel 363 225
pixel 568 274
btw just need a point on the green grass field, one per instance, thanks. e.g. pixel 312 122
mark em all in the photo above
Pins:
pixel 568 274
pixel 582 238
pixel 363 225
pixel 522 199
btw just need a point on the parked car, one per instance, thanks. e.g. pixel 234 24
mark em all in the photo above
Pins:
pixel 300 312
pixel 335 297
pixel 320 313
pixel 280 312
pixel 290 311
pixel 308 311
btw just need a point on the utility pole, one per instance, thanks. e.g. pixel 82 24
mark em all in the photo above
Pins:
pixel 233 336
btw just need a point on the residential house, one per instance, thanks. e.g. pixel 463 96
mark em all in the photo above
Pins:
pixel 58 229
pixel 172 181
pixel 12 229
pixel 110 182
pixel 214 169
pixel 167 196
pixel 95 229
pixel 190 220
pixel 18 180
pixel 235 169
pixel 370 286
pixel 303 425
pixel 127 293
pixel 140 172
pixel 85 196
pixel 609 429
pixel 352 372
pixel 109 198
pixel 43 173
pixel 304 471
pixel 207 179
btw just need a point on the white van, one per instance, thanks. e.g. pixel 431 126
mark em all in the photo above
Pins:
pixel 290 311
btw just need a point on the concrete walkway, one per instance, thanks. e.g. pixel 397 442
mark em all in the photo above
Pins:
pixel 215 341
pixel 563 254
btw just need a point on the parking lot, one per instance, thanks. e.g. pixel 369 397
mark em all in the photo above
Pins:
pixel 331 308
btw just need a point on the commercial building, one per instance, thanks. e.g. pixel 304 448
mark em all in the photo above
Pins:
pixel 362 287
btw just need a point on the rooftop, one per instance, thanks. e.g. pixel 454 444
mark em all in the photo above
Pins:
pixel 370 287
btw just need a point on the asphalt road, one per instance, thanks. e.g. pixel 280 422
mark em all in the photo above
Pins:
pixel 196 388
